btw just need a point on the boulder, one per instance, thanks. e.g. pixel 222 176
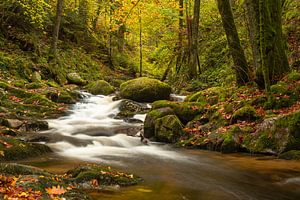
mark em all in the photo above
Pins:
pixel 145 90
pixel 37 125
pixel 185 111
pixel 100 87
pixel 149 124
pixel 168 129
pixel 246 113
pixel 276 135
pixel 74 78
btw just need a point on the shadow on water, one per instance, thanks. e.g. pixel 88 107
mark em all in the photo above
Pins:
pixel 169 173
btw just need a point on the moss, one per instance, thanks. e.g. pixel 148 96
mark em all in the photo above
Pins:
pixel 277 135
pixel 39 99
pixel 105 176
pixel 168 129
pixel 185 111
pixel 145 90
pixel 290 155
pixel 280 88
pixel 74 78
pixel 65 97
pixel 149 124
pixel 34 85
pixel 293 76
pixel 246 113
pixel 209 96
pixel 18 169
pixel 100 87
pixel 52 84
pixel 20 83
pixel 229 144
pixel 19 150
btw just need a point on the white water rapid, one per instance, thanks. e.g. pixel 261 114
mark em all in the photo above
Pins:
pixel 91 133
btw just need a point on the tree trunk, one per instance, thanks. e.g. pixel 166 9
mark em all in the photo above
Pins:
pixel 193 59
pixel 252 11
pixel 180 38
pixel 59 10
pixel 274 59
pixel 237 53
pixel 141 45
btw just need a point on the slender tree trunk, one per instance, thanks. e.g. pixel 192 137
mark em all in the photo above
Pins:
pixel 180 37
pixel 237 53
pixel 274 59
pixel 141 45
pixel 193 61
pixel 121 38
pixel 59 10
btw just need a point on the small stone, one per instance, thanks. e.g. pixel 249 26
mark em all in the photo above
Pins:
pixel 12 123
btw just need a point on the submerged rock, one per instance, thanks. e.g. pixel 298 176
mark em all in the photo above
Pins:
pixel 145 90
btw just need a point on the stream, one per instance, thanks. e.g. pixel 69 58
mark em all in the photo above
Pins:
pixel 89 133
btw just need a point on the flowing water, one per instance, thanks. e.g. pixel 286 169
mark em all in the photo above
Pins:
pixel 90 134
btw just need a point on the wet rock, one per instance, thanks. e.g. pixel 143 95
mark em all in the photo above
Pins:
pixel 133 121
pixel 132 106
pixel 149 124
pixel 130 131
pixel 12 123
pixel 168 129
pixel 145 90
pixel 37 126
pixel 15 149
pixel 19 169
pixel 106 176
pixel 74 78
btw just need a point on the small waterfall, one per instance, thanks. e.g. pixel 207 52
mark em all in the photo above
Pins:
pixel 91 133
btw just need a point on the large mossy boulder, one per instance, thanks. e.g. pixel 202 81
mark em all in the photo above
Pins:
pixel 145 90
pixel 276 135
pixel 168 129
pixel 74 78
pixel 149 124
pixel 100 87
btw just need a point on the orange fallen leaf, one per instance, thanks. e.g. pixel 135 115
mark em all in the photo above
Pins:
pixel 55 190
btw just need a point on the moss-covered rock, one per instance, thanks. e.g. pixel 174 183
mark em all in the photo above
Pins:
pixel 103 175
pixel 149 124
pixel 294 76
pixel 290 155
pixel 276 135
pixel 231 143
pixel 100 87
pixel 145 90
pixel 168 129
pixel 185 111
pixel 279 88
pixel 246 113
pixel 15 149
pixel 209 96
pixel 19 169
pixel 74 78
pixel 39 99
